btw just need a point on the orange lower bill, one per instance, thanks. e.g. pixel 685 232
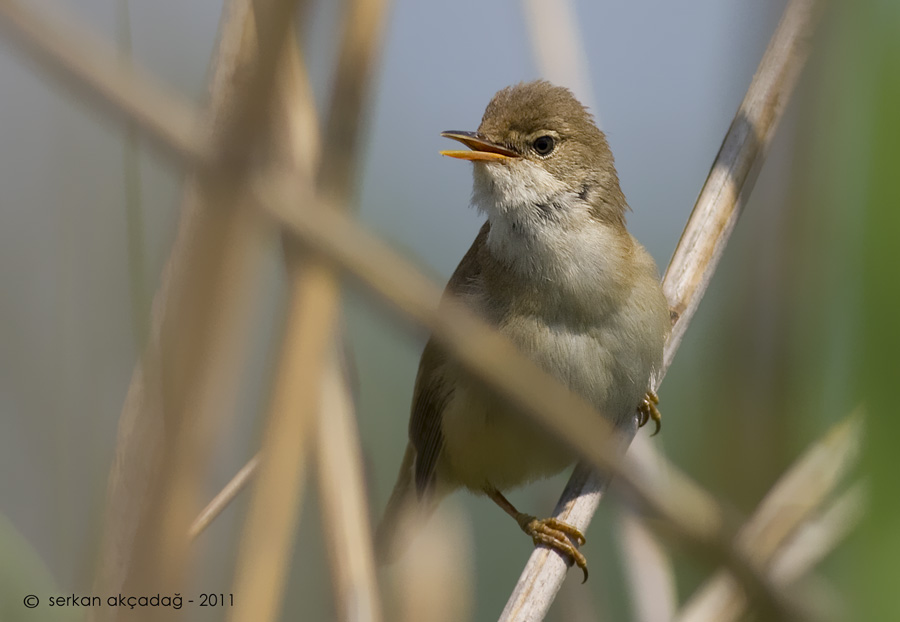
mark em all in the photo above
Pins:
pixel 483 156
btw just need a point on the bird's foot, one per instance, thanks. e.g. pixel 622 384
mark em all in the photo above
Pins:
pixel 559 536
pixel 647 410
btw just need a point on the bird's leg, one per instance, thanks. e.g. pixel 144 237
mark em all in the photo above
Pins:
pixel 552 532
pixel 647 410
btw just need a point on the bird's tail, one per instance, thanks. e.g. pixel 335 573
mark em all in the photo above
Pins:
pixel 403 512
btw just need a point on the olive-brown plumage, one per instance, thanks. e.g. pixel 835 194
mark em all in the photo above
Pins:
pixel 553 269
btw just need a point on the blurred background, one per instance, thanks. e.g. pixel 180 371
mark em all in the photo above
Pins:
pixel 795 328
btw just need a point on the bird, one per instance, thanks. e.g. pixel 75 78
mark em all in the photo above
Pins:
pixel 554 269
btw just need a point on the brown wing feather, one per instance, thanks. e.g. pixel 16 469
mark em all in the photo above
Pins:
pixel 429 398
pixel 431 392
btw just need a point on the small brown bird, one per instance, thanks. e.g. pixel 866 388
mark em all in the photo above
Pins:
pixel 555 270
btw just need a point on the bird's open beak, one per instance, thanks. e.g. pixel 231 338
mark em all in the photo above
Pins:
pixel 483 150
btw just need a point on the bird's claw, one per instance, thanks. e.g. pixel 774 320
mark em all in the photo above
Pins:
pixel 557 535
pixel 647 410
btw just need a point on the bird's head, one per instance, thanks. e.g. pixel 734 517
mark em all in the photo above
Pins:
pixel 539 157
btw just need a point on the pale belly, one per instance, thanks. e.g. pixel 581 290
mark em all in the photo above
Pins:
pixel 486 443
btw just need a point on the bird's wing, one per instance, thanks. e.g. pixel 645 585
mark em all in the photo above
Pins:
pixel 429 399
pixel 431 392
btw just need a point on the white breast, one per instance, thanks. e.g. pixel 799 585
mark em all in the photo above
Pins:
pixel 596 320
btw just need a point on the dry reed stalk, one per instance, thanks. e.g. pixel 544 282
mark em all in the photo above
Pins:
pixel 268 535
pixel 224 497
pixel 692 266
pixel 345 519
pixel 819 536
pixel 685 509
pixel 787 506
pixel 648 568
pixel 736 167
pixel 342 494
pixel 76 56
pixel 434 578
pixel 648 571
pixel 559 48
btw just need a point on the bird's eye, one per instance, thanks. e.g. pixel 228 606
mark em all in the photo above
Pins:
pixel 543 145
